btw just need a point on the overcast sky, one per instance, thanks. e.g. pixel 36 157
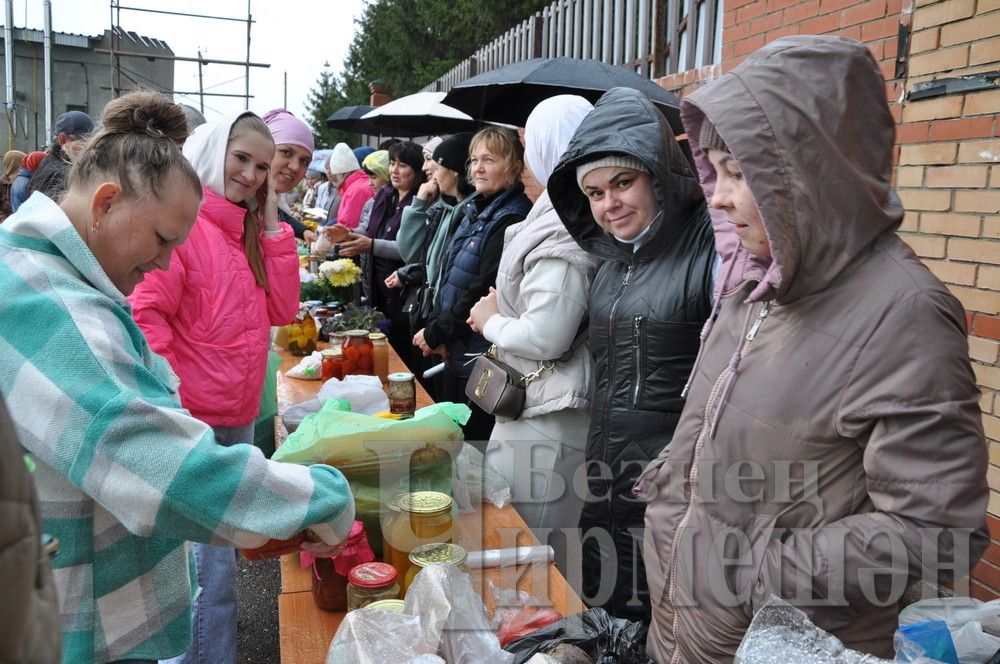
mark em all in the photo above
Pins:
pixel 293 36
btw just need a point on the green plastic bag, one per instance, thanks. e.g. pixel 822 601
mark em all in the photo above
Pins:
pixel 263 426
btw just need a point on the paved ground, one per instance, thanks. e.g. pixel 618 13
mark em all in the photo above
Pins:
pixel 257 587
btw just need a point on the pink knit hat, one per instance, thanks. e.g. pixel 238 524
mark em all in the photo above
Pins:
pixel 286 129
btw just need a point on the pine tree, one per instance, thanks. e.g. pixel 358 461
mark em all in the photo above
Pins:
pixel 323 100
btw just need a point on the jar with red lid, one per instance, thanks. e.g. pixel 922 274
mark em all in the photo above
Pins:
pixel 371 582
pixel 358 353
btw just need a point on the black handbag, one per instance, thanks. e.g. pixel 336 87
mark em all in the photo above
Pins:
pixel 499 389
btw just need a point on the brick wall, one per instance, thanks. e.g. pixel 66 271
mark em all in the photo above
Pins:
pixel 948 158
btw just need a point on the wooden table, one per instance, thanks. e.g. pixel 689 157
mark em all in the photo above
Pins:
pixel 305 631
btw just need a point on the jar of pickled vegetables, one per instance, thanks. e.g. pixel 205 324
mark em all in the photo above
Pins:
pixel 302 334
pixel 371 582
pixel 424 518
pixel 333 364
pixel 358 351
pixel 391 605
pixel 426 554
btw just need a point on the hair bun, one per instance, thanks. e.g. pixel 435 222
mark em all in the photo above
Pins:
pixel 145 112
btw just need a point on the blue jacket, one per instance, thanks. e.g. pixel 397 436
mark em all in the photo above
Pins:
pixel 19 188
pixel 472 262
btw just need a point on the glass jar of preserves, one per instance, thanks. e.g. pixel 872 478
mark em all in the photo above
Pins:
pixel 371 582
pixel 333 364
pixel 358 353
pixel 393 605
pixel 424 518
pixel 380 355
pixel 329 589
pixel 302 334
pixel 426 554
pixel 402 392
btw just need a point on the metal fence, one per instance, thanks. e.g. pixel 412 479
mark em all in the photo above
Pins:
pixel 651 37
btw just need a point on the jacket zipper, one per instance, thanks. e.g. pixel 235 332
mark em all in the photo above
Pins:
pixel 611 347
pixel 638 332
pixel 693 472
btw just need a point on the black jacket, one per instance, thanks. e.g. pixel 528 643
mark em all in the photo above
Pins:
pixel 50 176
pixel 647 309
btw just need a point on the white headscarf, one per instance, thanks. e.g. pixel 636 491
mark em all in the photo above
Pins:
pixel 205 148
pixel 548 131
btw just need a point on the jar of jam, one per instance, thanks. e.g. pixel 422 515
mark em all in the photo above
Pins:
pixel 333 364
pixel 371 582
pixel 329 589
pixel 424 518
pixel 402 391
pixel 358 353
pixel 426 554
pixel 380 355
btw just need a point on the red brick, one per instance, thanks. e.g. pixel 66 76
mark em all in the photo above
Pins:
pixel 775 5
pixel 888 70
pixel 749 45
pixel 891 48
pixel 993 553
pixel 736 33
pixel 912 132
pixel 802 11
pixel 880 29
pixel 893 7
pixel 950 130
pixel 783 31
pixel 852 32
pixel 987 574
pixel 986 326
pixel 820 25
pixel 982 593
pixel 750 11
pixel 993 525
pixel 827 6
pixel 866 11
pixel 765 23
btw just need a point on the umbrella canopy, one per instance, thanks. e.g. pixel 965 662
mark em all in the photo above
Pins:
pixel 346 118
pixel 318 162
pixel 509 94
pixel 419 114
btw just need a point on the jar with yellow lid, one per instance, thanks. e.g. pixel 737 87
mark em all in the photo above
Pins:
pixel 371 582
pixel 393 605
pixel 424 518
pixel 426 554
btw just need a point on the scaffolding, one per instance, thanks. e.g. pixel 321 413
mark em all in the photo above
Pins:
pixel 116 54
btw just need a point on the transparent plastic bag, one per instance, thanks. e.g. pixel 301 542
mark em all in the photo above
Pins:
pixel 364 393
pixel 443 617
pixel 971 623
pixel 308 368
pixel 477 481
pixel 782 634
pixel 519 613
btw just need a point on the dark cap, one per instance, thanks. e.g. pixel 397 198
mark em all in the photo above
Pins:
pixel 73 123
pixel 453 152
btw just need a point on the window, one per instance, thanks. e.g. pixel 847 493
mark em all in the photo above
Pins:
pixel 693 34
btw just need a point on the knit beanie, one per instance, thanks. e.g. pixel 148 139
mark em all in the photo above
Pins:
pixel 709 139
pixel 286 129
pixel 617 159
pixel 33 159
pixel 453 152
pixel 361 152
pixel 377 163
pixel 342 160
pixel 430 146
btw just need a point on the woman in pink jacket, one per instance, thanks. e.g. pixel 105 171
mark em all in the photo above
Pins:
pixel 210 314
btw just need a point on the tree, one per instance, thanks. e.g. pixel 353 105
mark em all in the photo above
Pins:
pixel 407 44
pixel 323 100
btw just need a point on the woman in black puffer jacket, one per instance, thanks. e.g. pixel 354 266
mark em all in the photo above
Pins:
pixel 628 196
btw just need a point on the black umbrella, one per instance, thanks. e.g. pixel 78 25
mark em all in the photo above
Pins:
pixel 509 94
pixel 348 117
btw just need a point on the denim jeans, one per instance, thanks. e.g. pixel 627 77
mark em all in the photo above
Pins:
pixel 213 618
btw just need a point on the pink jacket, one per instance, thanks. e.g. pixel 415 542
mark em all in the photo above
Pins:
pixel 208 317
pixel 354 192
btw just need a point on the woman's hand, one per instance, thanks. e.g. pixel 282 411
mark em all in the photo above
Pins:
pixel 392 281
pixel 321 549
pixel 426 351
pixel 355 246
pixel 270 203
pixel 428 191
pixel 483 310
pixel 309 236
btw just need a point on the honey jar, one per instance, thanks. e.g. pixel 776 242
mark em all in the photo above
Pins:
pixel 424 518
pixel 426 554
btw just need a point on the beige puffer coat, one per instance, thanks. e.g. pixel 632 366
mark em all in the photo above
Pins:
pixel 832 429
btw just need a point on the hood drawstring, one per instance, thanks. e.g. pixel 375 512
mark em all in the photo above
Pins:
pixel 734 361
pixel 707 327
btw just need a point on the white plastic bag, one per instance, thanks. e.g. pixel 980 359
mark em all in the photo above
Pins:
pixel 476 481
pixel 309 368
pixel 971 624
pixel 364 393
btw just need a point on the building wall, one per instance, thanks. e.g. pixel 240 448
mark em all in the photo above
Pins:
pixel 81 80
pixel 947 156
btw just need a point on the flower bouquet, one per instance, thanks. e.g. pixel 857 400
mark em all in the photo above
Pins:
pixel 337 280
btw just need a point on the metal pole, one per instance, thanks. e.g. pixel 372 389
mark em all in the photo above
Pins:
pixel 201 86
pixel 48 69
pixel 249 24
pixel 8 53
pixel 285 105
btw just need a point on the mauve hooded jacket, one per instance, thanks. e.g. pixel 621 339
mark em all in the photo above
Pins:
pixel 832 428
